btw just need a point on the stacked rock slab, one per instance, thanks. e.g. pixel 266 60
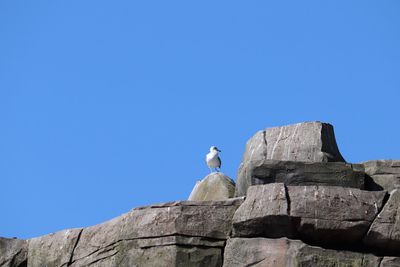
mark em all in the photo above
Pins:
pixel 383 174
pixel 312 142
pixel 305 173
pixel 173 234
pixel 321 215
pixel 304 207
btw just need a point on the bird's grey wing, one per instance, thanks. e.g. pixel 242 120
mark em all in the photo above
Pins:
pixel 219 162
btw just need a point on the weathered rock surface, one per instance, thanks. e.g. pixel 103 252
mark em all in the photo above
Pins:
pixel 265 212
pixel 184 233
pixel 55 249
pixel 385 174
pixel 215 186
pixel 298 186
pixel 300 173
pixel 320 214
pixel 284 252
pixel 308 141
pixel 13 252
pixel 305 142
pixel 390 262
pixel 384 233
pixel 334 214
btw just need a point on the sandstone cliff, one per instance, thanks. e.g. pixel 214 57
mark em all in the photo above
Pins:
pixel 298 203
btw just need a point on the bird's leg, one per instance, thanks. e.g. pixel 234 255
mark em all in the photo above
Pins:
pixel 210 169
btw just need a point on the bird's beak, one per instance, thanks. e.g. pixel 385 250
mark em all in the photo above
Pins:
pixel 219 150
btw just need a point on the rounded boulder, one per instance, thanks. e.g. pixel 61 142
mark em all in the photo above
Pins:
pixel 215 186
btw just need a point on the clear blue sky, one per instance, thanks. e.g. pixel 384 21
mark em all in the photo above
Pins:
pixel 110 105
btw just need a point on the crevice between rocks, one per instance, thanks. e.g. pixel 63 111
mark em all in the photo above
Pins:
pixel 104 248
pixel 223 253
pixel 24 263
pixel 265 137
pixel 73 249
pixel 288 202
pixel 254 263
pixel 184 246
pixel 14 259
pixel 384 202
pixel 380 261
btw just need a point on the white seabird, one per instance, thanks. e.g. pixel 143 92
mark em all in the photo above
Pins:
pixel 213 160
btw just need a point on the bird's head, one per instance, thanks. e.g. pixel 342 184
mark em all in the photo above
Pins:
pixel 214 148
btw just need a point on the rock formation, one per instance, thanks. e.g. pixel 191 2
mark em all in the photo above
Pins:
pixel 321 215
pixel 383 174
pixel 298 204
pixel 311 142
pixel 285 252
pixel 182 233
pixel 215 186
pixel 299 173
pixel 13 252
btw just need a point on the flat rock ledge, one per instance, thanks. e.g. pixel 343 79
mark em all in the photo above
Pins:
pixel 267 171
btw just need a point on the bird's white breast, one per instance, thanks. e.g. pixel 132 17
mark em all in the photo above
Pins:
pixel 212 160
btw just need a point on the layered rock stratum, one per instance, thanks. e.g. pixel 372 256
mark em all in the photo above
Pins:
pixel 298 203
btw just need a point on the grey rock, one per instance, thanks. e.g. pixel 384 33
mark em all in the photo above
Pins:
pixel 127 253
pixel 215 186
pixel 265 212
pixel 384 174
pixel 308 141
pixel 284 252
pixel 304 142
pixel 390 262
pixel 325 215
pixel 331 214
pixel 384 233
pixel 55 249
pixel 300 173
pixel 13 252
pixel 187 233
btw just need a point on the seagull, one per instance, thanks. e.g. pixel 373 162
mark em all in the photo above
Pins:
pixel 213 160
